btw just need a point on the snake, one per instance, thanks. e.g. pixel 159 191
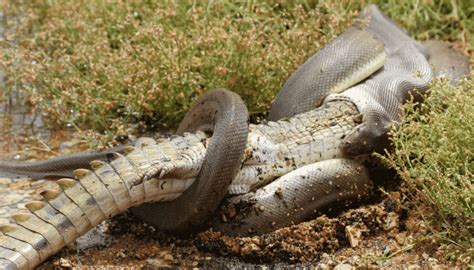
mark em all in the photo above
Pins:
pixel 376 76
pixel 224 114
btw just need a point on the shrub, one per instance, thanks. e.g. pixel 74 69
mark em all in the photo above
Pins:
pixel 434 155
pixel 116 66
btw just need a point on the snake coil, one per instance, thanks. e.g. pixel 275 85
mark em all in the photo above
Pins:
pixel 223 113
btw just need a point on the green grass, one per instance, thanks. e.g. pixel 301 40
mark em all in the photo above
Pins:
pixel 118 66
pixel 108 65
pixel 434 155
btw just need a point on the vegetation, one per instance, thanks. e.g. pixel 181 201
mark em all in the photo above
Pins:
pixel 434 155
pixel 115 66
pixel 118 66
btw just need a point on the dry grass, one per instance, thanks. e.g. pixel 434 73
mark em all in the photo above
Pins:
pixel 434 155
pixel 109 64
pixel 118 66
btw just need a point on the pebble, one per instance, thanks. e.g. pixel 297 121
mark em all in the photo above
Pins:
pixel 391 221
pixel 354 235
pixel 64 146
pixel 65 263
pixel 343 266
pixel 156 262
pixel 121 254
pixel 94 238
pixel 168 257
pixel 400 238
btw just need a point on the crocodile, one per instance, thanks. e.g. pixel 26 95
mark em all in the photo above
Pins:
pixel 299 164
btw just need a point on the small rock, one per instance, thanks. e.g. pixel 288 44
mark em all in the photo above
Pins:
pixel 323 266
pixel 413 267
pixel 156 262
pixel 68 144
pixel 434 264
pixel 391 221
pixel 400 238
pixel 250 248
pixel 168 257
pixel 343 266
pixel 121 254
pixel 65 263
pixel 93 238
pixel 354 235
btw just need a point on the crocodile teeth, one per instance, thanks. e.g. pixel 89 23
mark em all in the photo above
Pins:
pixel 50 194
pixel 162 173
pixel 81 173
pixel 65 183
pixel 35 205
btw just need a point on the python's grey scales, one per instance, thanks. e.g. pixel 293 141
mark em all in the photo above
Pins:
pixel 285 170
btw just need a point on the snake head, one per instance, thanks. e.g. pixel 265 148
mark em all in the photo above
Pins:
pixel 366 139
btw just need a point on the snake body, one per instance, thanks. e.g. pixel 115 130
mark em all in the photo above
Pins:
pixel 57 167
pixel 302 156
pixel 360 51
pixel 224 114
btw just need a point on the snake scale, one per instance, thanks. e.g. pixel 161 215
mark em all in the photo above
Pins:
pixel 286 169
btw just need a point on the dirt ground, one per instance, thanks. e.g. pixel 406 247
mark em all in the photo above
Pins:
pixel 382 233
